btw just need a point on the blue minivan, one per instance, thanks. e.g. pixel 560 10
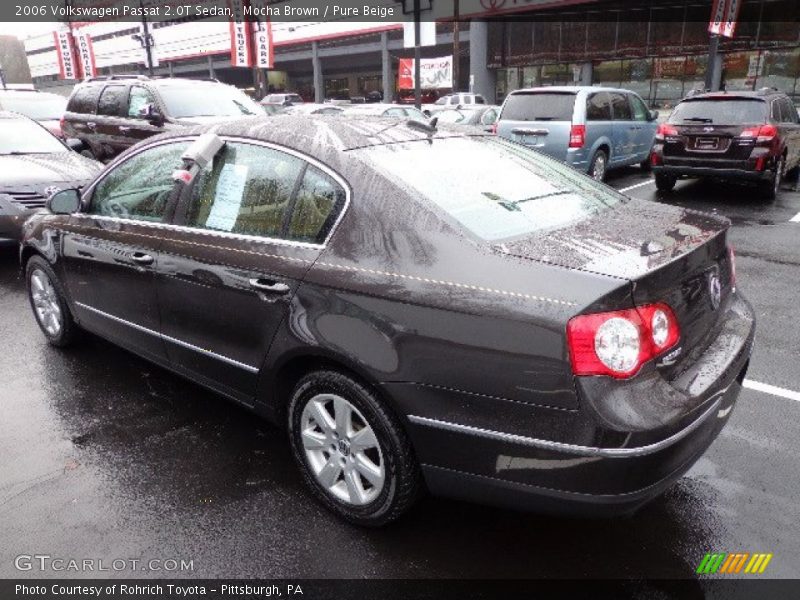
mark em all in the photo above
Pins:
pixel 593 129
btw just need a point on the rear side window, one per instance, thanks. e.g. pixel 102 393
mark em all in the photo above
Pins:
pixel 84 100
pixel 790 111
pixel 524 192
pixel 620 107
pixel 139 98
pixel 733 111
pixel 319 201
pixel 598 107
pixel 112 100
pixel 539 106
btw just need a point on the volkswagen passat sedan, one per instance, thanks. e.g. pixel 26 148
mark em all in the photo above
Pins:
pixel 419 308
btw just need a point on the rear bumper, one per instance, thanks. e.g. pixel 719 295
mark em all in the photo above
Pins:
pixel 706 171
pixel 607 467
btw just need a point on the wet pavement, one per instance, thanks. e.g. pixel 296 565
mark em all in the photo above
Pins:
pixel 106 456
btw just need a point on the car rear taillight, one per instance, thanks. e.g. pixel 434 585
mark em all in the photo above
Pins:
pixel 763 134
pixel 618 343
pixel 664 130
pixel 655 159
pixel 732 258
pixel 577 136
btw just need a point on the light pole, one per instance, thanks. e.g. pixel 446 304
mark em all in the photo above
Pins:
pixel 417 70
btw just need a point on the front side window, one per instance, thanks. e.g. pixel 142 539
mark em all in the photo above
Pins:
pixel 140 97
pixel 140 187
pixel 493 188
pixel 598 107
pixel 246 191
pixel 111 101
pixel 640 111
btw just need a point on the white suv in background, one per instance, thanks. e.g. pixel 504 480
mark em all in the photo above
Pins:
pixel 452 101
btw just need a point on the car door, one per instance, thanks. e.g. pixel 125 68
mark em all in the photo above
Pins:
pixel 111 249
pixel 246 231
pixel 133 126
pixel 645 135
pixel 624 130
pixel 111 107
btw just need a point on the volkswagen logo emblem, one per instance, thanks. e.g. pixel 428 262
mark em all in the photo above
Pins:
pixel 714 290
pixel 51 191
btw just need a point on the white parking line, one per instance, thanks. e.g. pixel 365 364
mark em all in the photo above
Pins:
pixel 795 219
pixel 638 185
pixel 771 389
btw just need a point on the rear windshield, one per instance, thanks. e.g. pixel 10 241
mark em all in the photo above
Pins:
pixel 539 106
pixel 728 111
pixel 495 189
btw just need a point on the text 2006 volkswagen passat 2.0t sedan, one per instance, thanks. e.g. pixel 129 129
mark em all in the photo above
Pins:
pixel 420 308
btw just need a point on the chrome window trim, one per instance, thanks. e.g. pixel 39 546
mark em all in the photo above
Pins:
pixel 85 196
pixel 168 338
pixel 523 440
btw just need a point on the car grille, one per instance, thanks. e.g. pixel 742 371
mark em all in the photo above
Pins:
pixel 26 200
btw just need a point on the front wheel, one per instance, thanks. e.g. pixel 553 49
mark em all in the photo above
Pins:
pixel 599 166
pixel 770 189
pixel 352 452
pixel 48 303
pixel 664 182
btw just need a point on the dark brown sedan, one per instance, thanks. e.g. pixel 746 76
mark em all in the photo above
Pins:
pixel 419 308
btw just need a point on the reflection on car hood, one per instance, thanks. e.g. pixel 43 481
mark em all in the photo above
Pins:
pixel 34 169
pixel 210 120
pixel 626 241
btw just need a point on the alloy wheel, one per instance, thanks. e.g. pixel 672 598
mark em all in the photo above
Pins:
pixel 776 184
pixel 45 303
pixel 599 168
pixel 342 450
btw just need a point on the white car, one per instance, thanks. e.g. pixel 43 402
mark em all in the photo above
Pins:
pixel 453 100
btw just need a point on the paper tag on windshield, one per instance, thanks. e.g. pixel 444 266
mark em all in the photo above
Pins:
pixel 228 198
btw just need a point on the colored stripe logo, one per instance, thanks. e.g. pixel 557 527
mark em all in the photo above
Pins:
pixel 733 563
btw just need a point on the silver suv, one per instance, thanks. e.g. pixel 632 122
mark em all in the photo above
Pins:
pixel 593 129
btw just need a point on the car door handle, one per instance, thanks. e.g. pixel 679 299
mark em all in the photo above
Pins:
pixel 142 258
pixel 124 129
pixel 269 285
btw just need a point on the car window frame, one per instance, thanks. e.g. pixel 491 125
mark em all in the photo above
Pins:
pixel 625 102
pixel 155 102
pixel 589 97
pixel 169 218
pixel 122 107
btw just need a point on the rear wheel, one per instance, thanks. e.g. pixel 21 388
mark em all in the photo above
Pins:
pixel 665 182
pixel 599 166
pixel 352 452
pixel 770 189
pixel 48 303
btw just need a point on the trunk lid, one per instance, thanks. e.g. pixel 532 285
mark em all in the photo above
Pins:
pixel 668 254
pixel 539 119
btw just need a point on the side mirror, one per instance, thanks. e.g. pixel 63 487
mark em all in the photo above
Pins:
pixel 152 114
pixel 653 115
pixel 65 202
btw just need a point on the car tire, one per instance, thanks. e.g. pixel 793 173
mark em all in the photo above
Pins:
pixel 646 165
pixel 665 183
pixel 48 302
pixel 370 484
pixel 770 189
pixel 598 167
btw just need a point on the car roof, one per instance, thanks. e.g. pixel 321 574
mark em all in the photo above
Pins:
pixel 7 114
pixel 320 132
pixel 571 89
pixel 749 95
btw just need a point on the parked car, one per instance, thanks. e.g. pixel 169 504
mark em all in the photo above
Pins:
pixel 44 108
pixel 592 129
pixel 312 108
pixel 374 96
pixel 750 136
pixel 409 97
pixel 454 100
pixel 111 114
pixel 473 116
pixel 282 99
pixel 385 110
pixel 34 164
pixel 414 305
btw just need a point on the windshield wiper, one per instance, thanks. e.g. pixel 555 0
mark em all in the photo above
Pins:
pixel 513 205
pixel 18 153
pixel 700 119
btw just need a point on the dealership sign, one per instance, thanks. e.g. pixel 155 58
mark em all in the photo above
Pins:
pixel 241 51
pixel 67 61
pixel 86 54
pixel 262 37
pixel 435 73
pixel 724 14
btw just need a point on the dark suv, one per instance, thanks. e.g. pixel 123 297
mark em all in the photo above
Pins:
pixel 738 135
pixel 110 114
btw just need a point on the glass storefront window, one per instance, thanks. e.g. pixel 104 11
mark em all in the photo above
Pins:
pixel 337 89
pixel 668 76
pixel 636 76
pixel 780 69
pixel 740 70
pixel 507 81
pixel 608 73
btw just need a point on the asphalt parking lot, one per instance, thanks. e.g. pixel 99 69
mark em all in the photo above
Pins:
pixel 107 456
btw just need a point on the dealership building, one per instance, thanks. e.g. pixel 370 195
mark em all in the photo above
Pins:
pixel 658 48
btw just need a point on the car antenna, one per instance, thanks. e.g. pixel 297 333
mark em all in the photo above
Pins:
pixel 429 128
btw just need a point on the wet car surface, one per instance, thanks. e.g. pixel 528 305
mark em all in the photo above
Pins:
pixel 106 455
